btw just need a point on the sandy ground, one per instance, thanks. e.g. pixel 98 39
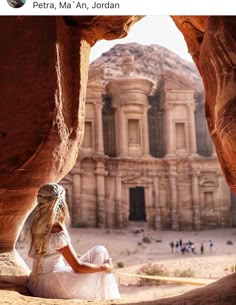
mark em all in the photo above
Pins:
pixel 128 249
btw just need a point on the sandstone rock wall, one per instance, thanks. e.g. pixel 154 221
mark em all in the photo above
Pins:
pixel 211 42
pixel 44 68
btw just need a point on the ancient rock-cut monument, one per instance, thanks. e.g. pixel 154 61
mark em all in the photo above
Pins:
pixel 147 157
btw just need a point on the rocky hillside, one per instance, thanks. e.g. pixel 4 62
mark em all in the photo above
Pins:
pixel 149 61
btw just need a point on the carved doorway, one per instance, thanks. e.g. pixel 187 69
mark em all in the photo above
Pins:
pixel 137 204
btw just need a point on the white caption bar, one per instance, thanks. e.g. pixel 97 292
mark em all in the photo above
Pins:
pixel 117 7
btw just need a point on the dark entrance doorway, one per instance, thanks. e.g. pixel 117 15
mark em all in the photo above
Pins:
pixel 137 204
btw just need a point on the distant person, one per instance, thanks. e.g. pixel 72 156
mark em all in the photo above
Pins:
pixel 172 246
pixel 183 248
pixel 210 243
pixel 188 247
pixel 193 248
pixel 202 248
pixel 177 247
pixel 180 242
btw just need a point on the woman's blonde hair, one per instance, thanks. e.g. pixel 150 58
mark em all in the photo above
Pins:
pixel 63 215
pixel 51 209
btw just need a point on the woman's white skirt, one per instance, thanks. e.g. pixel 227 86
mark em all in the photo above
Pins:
pixel 64 283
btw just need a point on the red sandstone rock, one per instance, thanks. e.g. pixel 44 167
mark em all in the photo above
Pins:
pixel 44 68
pixel 212 44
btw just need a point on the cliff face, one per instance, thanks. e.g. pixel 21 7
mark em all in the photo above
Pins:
pixel 150 62
pixel 212 44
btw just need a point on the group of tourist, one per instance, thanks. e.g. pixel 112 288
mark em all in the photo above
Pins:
pixel 188 247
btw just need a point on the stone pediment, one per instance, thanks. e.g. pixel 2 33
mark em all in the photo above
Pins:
pixel 136 179
pixel 208 180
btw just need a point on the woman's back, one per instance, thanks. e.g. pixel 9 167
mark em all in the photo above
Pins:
pixel 53 260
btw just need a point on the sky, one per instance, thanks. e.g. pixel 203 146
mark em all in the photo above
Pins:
pixel 159 30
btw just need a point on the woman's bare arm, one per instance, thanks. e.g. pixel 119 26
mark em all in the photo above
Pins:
pixel 72 258
pixel 81 267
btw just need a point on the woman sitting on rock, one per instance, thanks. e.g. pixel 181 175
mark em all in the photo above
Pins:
pixel 57 271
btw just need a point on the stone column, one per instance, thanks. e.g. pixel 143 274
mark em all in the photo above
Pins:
pixel 121 133
pixel 192 130
pixel 149 205
pixel 100 184
pixel 99 145
pixel 130 99
pixel 126 206
pixel 173 196
pixel 146 148
pixel 195 200
pixel 76 193
pixel 157 218
pixel 168 130
pixel 118 202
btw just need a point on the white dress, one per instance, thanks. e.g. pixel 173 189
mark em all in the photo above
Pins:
pixel 58 280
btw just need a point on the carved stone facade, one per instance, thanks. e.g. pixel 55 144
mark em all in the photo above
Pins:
pixel 146 157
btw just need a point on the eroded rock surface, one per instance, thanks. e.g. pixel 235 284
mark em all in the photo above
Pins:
pixel 150 62
pixel 44 68
pixel 212 44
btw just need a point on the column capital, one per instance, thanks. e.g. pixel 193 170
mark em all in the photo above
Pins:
pixel 119 174
pixel 154 175
pixel 172 162
pixel 99 104
pixel 172 176
pixel 195 172
pixel 191 106
pixel 172 167
pixel 77 171
pixel 101 172
pixel 167 106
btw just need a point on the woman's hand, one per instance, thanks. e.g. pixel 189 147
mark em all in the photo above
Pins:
pixel 107 268
pixel 82 267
